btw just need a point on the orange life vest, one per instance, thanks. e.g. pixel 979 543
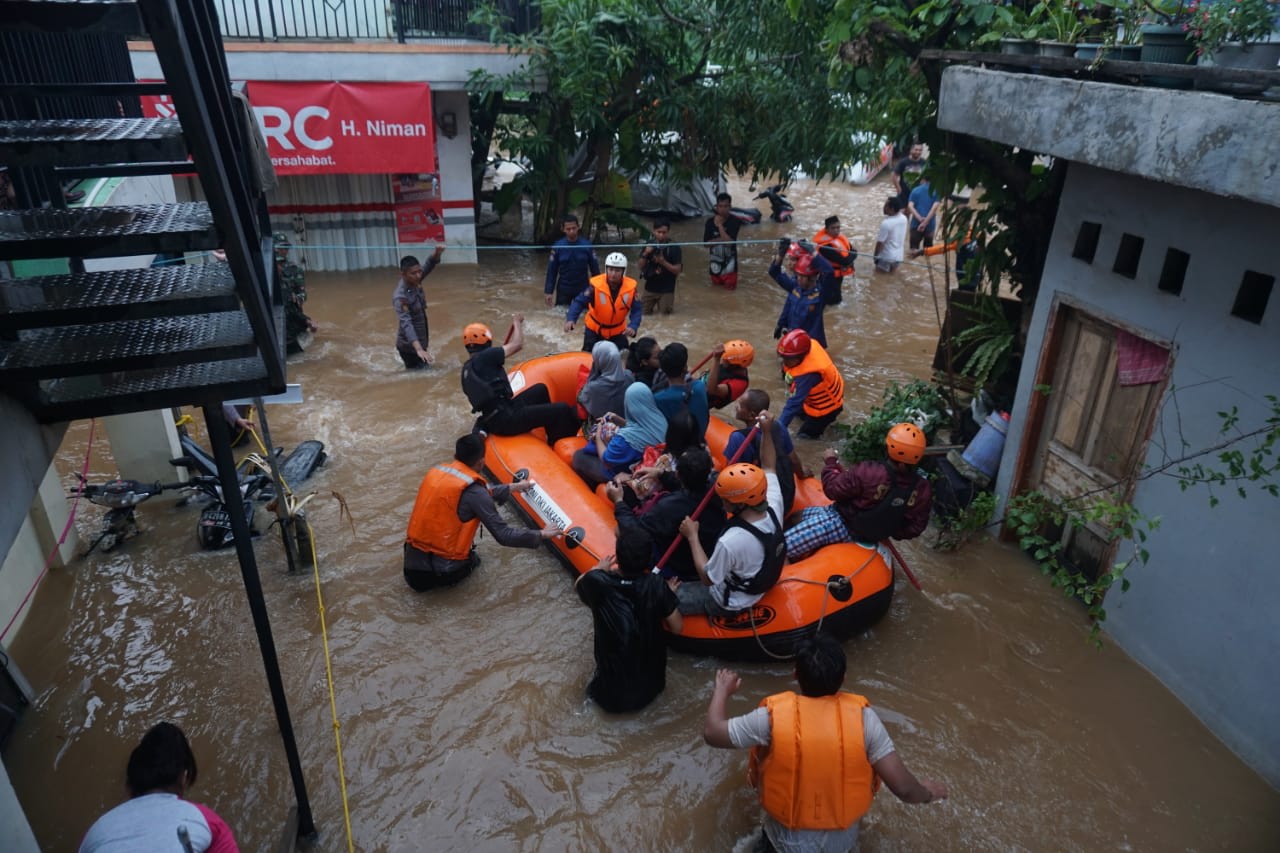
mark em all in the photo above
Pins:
pixel 814 774
pixel 841 244
pixel 828 394
pixel 434 525
pixel 607 314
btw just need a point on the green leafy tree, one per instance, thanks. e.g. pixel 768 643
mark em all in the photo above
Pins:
pixel 644 85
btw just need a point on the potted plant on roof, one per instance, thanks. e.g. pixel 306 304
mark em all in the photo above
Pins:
pixel 1062 24
pixel 1166 38
pixel 1018 31
pixel 1236 34
pixel 1118 22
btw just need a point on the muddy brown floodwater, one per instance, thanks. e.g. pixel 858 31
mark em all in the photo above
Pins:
pixel 463 718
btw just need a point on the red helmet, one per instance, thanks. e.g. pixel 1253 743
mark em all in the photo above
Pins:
pixel 476 333
pixel 795 251
pixel 738 353
pixel 905 443
pixel 794 343
pixel 742 483
pixel 804 265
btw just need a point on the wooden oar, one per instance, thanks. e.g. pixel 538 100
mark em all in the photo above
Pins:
pixel 702 504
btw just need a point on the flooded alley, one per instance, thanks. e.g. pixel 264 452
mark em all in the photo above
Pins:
pixel 464 720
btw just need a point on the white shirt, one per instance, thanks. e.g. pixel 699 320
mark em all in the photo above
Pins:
pixel 893 234
pixel 739 553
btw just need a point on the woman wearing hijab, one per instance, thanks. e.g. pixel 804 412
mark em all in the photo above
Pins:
pixel 645 425
pixel 606 383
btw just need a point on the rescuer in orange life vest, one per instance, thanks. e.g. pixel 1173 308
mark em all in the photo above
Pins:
pixel 817 758
pixel 814 385
pixel 837 249
pixel 453 501
pixel 613 308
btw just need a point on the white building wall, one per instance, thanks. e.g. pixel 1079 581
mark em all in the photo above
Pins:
pixel 1201 614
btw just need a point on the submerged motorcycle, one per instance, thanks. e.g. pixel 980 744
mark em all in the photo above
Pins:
pixel 780 210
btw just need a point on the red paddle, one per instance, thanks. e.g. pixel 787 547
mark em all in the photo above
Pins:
pixel 698 366
pixel 702 504
pixel 901 562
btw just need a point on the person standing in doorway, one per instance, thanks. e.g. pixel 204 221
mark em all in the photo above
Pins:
pixel 721 235
pixel 907 172
pixel 410 304
pixel 817 757
pixel 660 263
pixel 572 263
pixel 612 308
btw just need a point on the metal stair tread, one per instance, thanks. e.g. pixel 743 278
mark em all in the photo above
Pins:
pixel 152 388
pixel 117 16
pixel 117 295
pixel 60 142
pixel 112 231
pixel 95 347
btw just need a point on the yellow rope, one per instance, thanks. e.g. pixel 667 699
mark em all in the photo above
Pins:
pixel 328 661
pixel 333 702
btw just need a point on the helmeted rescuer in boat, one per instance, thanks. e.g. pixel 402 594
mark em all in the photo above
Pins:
pixel 872 501
pixel 453 501
pixel 502 412
pixel 817 758
pixel 748 557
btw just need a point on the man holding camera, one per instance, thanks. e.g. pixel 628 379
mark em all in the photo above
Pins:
pixel 660 263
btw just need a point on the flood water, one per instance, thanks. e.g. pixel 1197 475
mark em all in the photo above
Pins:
pixel 463 717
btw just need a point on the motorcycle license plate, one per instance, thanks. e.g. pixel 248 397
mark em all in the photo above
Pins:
pixel 217 518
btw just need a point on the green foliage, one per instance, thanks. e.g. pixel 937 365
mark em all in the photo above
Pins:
pixel 1039 520
pixel 644 85
pixel 916 401
pixel 1255 463
pixel 968 523
pixel 990 339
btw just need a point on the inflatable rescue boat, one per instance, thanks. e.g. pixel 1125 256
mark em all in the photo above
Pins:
pixel 844 589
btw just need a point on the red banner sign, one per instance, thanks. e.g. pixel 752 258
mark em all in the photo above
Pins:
pixel 339 128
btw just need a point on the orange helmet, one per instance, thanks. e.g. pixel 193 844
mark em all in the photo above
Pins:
pixel 476 333
pixel 794 343
pixel 738 353
pixel 742 483
pixel 905 443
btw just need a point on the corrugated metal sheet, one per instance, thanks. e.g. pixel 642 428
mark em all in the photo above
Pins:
pixel 336 222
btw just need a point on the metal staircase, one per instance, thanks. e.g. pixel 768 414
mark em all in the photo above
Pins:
pixel 82 344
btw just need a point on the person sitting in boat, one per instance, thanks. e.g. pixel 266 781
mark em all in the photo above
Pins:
pixel 683 393
pixel 817 758
pixel 642 363
pixel 606 383
pixel 728 376
pixel 453 501
pixel 788 463
pixel 484 381
pixel 628 605
pixel 643 426
pixel 748 558
pixel 873 500
pixel 660 514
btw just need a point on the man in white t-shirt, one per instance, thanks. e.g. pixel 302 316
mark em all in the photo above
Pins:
pixel 817 758
pixel 892 238
pixel 746 561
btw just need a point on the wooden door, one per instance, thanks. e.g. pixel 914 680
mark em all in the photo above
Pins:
pixel 1093 433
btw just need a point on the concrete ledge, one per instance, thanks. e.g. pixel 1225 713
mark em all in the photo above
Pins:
pixel 1214 143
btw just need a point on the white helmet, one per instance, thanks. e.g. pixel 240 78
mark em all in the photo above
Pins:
pixel 616 259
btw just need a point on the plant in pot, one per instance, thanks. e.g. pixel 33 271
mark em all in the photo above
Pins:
pixel 1119 22
pixel 1018 31
pixel 1236 34
pixel 1166 38
pixel 1062 24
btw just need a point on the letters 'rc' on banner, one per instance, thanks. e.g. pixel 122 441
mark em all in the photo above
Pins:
pixel 339 128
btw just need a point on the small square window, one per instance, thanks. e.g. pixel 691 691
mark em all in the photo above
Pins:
pixel 1087 241
pixel 1251 298
pixel 1127 256
pixel 1174 272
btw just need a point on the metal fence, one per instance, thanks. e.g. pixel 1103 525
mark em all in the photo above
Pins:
pixel 276 20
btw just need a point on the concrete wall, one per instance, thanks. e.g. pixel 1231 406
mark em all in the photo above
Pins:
pixel 1201 614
